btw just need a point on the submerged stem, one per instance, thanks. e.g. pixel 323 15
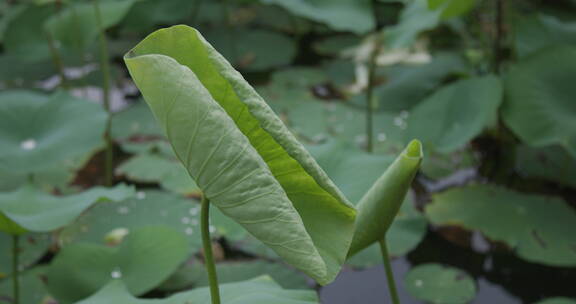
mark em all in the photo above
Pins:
pixel 15 273
pixel 105 68
pixel 389 274
pixel 208 256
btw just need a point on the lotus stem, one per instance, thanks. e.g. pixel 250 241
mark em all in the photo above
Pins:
pixel 15 273
pixel 389 273
pixel 370 95
pixel 56 59
pixel 105 68
pixel 208 255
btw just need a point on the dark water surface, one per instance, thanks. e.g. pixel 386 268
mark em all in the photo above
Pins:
pixel 500 277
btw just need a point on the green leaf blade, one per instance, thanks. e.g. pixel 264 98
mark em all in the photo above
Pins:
pixel 240 154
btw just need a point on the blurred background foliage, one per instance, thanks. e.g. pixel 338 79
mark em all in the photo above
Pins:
pixel 487 86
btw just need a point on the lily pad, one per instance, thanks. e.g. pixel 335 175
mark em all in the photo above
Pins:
pixel 353 170
pixel 550 163
pixel 195 274
pixel 24 36
pixel 452 8
pixel 253 50
pixel 154 168
pixel 33 210
pixel 407 85
pixel 344 15
pixel 440 284
pixel 32 287
pixel 455 114
pixel 539 228
pixel 414 19
pixel 142 261
pixel 558 300
pixel 31 247
pixel 258 291
pixel 77 27
pixel 36 131
pixel 147 208
pixel 535 32
pixel 539 106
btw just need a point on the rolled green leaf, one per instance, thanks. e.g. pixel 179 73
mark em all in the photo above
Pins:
pixel 379 206
pixel 240 153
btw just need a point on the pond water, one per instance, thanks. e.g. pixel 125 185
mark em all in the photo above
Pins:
pixel 500 277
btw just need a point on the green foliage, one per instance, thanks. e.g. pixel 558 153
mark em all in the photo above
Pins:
pixel 194 274
pixel 344 15
pixel 258 291
pixel 452 8
pixel 440 284
pixel 33 247
pixel 311 224
pixel 142 261
pixel 455 114
pixel 253 50
pixel 76 26
pixel 30 209
pixel 405 233
pixel 43 148
pixel 154 168
pixel 539 228
pixel 539 105
pixel 379 206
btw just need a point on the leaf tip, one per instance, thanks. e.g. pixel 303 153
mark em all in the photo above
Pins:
pixel 414 149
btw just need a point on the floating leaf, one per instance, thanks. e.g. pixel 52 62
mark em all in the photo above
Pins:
pixel 258 291
pixel 145 15
pixel 253 50
pixel 31 247
pixel 25 37
pixel 440 284
pixel 408 84
pixel 452 8
pixel 455 114
pixel 351 169
pixel 539 228
pixel 142 261
pixel 32 287
pixel 228 272
pixel 77 27
pixel 557 300
pixel 344 15
pixel 539 105
pixel 36 131
pixel 414 19
pixel 38 211
pixel 240 154
pixel 147 208
pixel 550 163
pixel 535 32
pixel 152 168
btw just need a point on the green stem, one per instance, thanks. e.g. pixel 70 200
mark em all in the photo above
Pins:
pixel 208 256
pixel 56 59
pixel 370 94
pixel 105 67
pixel 15 272
pixel 389 273
pixel 498 36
